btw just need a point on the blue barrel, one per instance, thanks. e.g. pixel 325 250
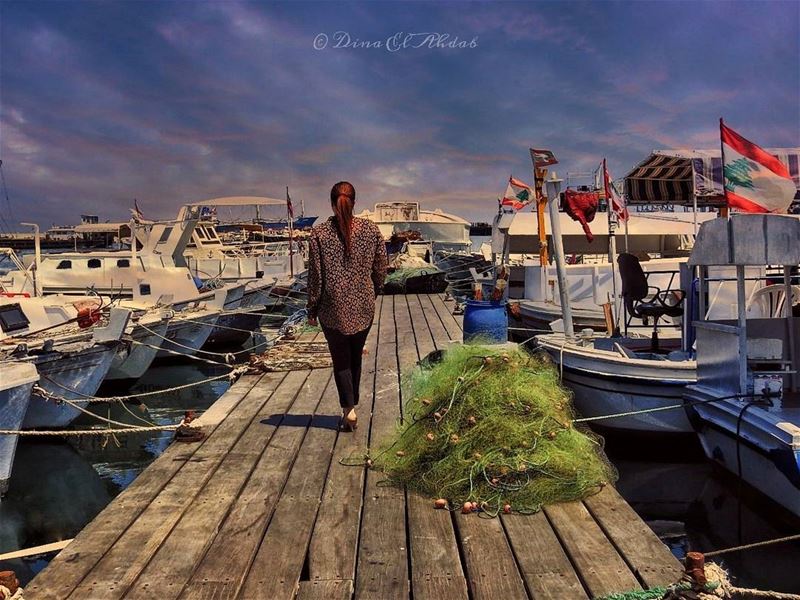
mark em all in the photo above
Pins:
pixel 486 321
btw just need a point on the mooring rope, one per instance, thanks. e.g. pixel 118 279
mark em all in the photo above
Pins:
pixel 788 538
pixel 79 432
pixel 230 375
pixel 657 409
pixel 228 356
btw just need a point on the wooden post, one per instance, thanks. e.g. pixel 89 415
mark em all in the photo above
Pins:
pixel 541 203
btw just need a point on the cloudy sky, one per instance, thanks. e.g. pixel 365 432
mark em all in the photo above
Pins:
pixel 171 102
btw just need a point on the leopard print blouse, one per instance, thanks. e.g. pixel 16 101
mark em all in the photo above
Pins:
pixel 342 289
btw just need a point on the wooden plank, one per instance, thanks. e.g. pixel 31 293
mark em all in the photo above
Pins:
pixel 596 561
pixel 382 554
pixel 491 570
pixel 506 572
pixel 406 342
pixel 72 564
pixel 334 542
pixel 436 571
pixel 176 559
pixel 441 339
pixel 422 332
pixel 435 564
pixel 542 561
pixel 277 567
pixel 445 313
pixel 114 573
pixel 221 572
pixel 648 556
pixel 326 589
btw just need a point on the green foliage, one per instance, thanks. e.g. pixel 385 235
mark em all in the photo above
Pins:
pixel 494 427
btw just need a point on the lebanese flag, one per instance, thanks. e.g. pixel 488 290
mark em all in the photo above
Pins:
pixel 754 180
pixel 518 194
pixel 616 201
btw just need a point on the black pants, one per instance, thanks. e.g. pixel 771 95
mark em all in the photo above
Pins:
pixel 346 351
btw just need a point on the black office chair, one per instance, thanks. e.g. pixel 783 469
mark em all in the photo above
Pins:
pixel 635 290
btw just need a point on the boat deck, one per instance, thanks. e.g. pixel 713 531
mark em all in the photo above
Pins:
pixel 263 508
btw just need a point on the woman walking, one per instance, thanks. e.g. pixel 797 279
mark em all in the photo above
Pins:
pixel 347 266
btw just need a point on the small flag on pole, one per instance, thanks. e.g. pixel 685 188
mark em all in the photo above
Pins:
pixel 518 194
pixel 542 158
pixel 615 201
pixel 289 208
pixel 754 180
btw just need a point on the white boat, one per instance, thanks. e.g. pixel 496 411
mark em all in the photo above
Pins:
pixel 16 383
pixel 664 238
pixel 71 341
pixel 443 231
pixel 607 377
pixel 745 405
pixel 150 277
pixel 614 375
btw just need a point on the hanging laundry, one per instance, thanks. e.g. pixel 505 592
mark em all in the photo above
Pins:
pixel 582 206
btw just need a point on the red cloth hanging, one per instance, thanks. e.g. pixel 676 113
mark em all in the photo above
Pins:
pixel 582 206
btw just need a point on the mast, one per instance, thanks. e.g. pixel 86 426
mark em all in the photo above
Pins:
pixel 553 190
pixel 37 245
pixel 290 222
pixel 612 239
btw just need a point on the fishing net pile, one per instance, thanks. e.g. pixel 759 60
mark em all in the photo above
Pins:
pixel 493 427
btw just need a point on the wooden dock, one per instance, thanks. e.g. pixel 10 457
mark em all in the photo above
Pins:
pixel 262 508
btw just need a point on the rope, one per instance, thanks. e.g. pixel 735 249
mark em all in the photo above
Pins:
pixel 227 355
pixel 77 432
pixel 788 538
pixel 232 374
pixel 657 409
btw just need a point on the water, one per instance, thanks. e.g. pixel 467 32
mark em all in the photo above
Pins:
pixel 693 506
pixel 58 486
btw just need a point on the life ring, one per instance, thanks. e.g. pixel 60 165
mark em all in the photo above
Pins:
pixel 15 294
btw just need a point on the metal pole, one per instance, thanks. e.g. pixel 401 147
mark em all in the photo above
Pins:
pixel 290 219
pixel 37 250
pixel 741 310
pixel 787 312
pixel 553 194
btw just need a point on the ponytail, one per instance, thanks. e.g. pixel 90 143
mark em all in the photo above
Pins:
pixel 343 198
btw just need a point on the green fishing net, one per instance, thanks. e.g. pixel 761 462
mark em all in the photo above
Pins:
pixel 493 427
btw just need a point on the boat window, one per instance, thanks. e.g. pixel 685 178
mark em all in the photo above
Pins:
pixel 144 289
pixel 165 235
pixel 201 233
pixel 94 263
pixel 12 318
pixel 64 264
pixel 123 263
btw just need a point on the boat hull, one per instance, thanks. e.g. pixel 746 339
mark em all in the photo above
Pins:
pixel 606 383
pixel 769 453
pixel 71 375
pixel 15 393
pixel 537 316
pixel 234 328
pixel 187 335
pixel 132 360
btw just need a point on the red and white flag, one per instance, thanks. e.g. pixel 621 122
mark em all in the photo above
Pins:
pixel 753 179
pixel 615 201
pixel 518 194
